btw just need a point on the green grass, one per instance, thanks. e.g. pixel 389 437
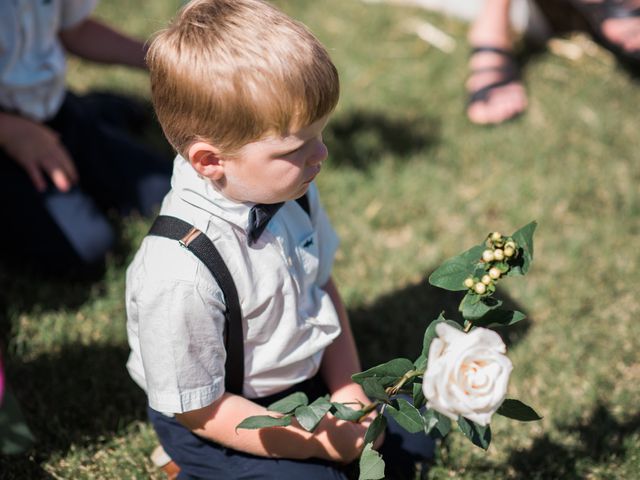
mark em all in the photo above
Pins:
pixel 409 183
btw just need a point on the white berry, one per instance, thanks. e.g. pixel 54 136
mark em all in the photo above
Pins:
pixel 480 288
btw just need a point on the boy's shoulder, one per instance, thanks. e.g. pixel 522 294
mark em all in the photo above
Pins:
pixel 162 260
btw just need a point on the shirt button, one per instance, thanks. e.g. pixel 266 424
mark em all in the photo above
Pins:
pixel 289 261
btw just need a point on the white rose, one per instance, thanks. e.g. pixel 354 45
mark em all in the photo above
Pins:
pixel 467 373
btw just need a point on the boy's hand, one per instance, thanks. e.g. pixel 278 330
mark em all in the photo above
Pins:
pixel 37 149
pixel 353 394
pixel 343 441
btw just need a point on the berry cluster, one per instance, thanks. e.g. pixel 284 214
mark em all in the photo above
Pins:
pixel 496 257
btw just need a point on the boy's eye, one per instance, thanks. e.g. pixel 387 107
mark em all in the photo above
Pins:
pixel 291 152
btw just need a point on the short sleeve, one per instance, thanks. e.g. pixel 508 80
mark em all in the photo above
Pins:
pixel 75 11
pixel 180 343
pixel 327 238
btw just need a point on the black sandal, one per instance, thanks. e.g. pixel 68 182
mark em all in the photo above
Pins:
pixel 596 13
pixel 510 72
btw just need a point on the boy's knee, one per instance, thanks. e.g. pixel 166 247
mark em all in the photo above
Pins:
pixel 85 227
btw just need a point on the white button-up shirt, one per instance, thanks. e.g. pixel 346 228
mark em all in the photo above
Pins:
pixel 32 61
pixel 175 310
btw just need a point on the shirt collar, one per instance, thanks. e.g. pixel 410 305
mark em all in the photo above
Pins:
pixel 200 192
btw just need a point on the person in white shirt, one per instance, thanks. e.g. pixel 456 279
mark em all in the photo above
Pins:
pixel 63 167
pixel 243 93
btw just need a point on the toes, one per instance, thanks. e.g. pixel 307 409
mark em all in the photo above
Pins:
pixel 502 104
pixel 624 32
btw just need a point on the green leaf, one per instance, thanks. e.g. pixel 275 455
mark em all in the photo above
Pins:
pixel 373 389
pixel 499 318
pixel 474 306
pixel 517 410
pixel 264 421
pixel 15 436
pixel 375 429
pixel 290 403
pixel 453 272
pixel 344 412
pixel 387 373
pixel 418 395
pixel 407 416
pixel 371 464
pixel 436 420
pixel 524 239
pixel 429 335
pixel 479 435
pixel 310 415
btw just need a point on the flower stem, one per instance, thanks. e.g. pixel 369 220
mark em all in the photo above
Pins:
pixel 404 379
pixel 366 409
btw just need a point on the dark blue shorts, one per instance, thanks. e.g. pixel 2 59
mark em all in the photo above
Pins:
pixel 202 459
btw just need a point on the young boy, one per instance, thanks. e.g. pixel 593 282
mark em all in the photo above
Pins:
pixel 243 93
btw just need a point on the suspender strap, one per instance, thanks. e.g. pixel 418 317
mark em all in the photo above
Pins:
pixel 200 245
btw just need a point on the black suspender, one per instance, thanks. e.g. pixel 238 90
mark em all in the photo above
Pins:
pixel 199 244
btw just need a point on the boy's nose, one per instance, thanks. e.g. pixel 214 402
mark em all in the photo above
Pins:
pixel 319 154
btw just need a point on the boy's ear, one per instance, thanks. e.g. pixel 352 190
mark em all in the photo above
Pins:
pixel 206 159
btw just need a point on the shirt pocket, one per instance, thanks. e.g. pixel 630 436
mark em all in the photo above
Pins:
pixel 309 256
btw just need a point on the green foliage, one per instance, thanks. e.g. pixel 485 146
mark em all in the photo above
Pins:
pixel 436 423
pixel 264 421
pixel 386 374
pixel 473 307
pixel 407 416
pixel 374 389
pixel 418 395
pixel 375 429
pixel 309 416
pixel 371 464
pixel 453 272
pixel 517 410
pixel 429 335
pixel 289 403
pixel 478 434
pixel 499 318
pixel 344 412
pixel 524 238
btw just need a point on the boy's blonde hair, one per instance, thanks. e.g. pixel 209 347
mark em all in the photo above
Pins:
pixel 229 72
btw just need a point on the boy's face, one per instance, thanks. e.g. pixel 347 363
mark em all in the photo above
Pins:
pixel 275 169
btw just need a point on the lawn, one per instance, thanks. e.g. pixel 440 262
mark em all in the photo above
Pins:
pixel 409 183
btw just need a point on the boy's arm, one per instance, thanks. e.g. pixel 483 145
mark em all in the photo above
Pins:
pixel 340 359
pixel 333 439
pixel 95 41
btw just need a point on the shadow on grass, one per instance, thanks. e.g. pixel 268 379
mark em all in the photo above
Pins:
pixel 360 138
pixel 599 439
pixel 393 326
pixel 74 397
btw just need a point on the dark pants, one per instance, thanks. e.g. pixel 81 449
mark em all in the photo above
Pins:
pixel 202 459
pixel 70 231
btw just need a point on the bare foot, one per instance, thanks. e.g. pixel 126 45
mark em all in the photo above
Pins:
pixel 496 93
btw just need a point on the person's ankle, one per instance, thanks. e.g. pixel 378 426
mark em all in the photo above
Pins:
pixel 163 461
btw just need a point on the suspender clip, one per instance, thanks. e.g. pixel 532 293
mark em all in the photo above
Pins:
pixel 189 237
